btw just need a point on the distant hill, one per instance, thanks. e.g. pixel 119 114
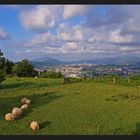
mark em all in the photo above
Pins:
pixel 134 65
pixel 112 61
pixel 133 62
pixel 45 61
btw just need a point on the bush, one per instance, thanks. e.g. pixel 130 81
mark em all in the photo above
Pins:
pixel 50 74
pixel 8 67
pixel 2 65
pixel 2 76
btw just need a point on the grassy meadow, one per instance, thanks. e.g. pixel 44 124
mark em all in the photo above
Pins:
pixel 79 108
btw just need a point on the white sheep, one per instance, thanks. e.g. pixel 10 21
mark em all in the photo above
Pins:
pixel 9 117
pixel 24 100
pixel 34 125
pixel 28 102
pixel 17 112
pixel 24 107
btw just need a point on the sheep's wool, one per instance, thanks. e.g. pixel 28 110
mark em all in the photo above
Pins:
pixel 28 102
pixel 24 107
pixel 34 125
pixel 24 100
pixel 17 112
pixel 9 117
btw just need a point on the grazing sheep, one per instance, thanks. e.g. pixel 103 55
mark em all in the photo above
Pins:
pixel 24 100
pixel 28 102
pixel 17 112
pixel 9 117
pixel 24 107
pixel 34 125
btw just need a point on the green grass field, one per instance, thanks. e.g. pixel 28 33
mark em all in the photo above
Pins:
pixel 80 108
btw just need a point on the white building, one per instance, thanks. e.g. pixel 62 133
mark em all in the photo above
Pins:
pixel 66 74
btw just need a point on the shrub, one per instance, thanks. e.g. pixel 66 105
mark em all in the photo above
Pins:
pixel 2 66
pixel 50 74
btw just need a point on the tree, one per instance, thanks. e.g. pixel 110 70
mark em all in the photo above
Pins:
pixel 8 67
pixel 24 69
pixel 2 65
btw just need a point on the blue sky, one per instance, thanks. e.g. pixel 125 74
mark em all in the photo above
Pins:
pixel 69 32
pixel 12 24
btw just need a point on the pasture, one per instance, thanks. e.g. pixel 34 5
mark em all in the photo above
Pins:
pixel 79 108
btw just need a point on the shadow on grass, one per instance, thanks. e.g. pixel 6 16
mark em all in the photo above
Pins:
pixel 15 85
pixel 137 130
pixel 123 97
pixel 24 85
pixel 37 100
pixel 44 124
pixel 70 80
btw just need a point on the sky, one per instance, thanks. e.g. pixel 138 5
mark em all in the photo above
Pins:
pixel 69 32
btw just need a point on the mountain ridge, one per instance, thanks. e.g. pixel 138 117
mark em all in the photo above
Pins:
pixel 49 61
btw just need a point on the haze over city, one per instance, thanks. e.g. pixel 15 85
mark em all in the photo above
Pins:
pixel 69 32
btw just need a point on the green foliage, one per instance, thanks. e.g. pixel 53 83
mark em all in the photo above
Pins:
pixel 2 65
pixel 24 69
pixel 50 74
pixel 8 67
pixel 2 76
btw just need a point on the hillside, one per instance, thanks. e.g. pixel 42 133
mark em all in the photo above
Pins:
pixel 78 108
pixel 46 61
pixel 131 63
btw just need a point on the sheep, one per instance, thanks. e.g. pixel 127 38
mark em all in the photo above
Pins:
pixel 28 102
pixel 34 126
pixel 24 100
pixel 24 107
pixel 9 117
pixel 17 112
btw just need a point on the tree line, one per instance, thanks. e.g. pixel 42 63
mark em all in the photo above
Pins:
pixel 22 69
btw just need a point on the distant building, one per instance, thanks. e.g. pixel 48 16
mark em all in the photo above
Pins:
pixel 66 74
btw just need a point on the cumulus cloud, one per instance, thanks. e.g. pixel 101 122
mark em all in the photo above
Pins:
pixel 73 10
pixel 106 30
pixel 71 47
pixel 3 34
pixel 116 37
pixel 40 17
pixel 70 33
pixel 43 38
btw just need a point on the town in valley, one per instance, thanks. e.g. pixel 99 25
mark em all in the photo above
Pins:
pixel 92 70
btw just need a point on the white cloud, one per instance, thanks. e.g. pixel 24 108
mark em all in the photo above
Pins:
pixel 126 49
pixel 40 17
pixel 106 30
pixel 73 10
pixel 116 37
pixel 67 32
pixel 71 46
pixel 3 34
pixel 43 38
